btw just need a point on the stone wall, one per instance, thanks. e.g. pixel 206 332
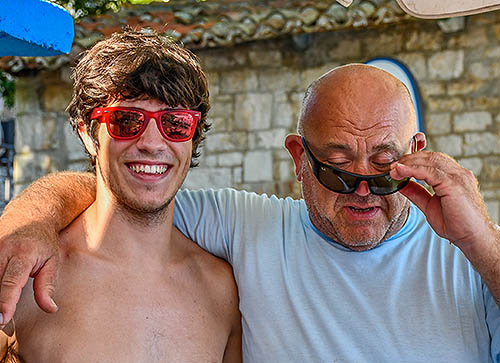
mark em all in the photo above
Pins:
pixel 256 92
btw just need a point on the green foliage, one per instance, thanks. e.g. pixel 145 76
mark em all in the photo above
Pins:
pixel 7 89
pixel 82 8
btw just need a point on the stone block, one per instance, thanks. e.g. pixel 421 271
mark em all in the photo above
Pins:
pixel 483 103
pixel 438 123
pixel 491 170
pixel 446 65
pixel 464 88
pixel 445 104
pixel 311 74
pixel 74 146
pixel 286 171
pixel 219 124
pixel 209 161
pixel 282 153
pixel 208 178
pixel 78 165
pixel 286 79
pixel 493 52
pixel 27 98
pixel 29 131
pixel 222 107
pixel 253 111
pixel 226 141
pixel 493 208
pixel 423 40
pixel 257 166
pixel 481 71
pixel 416 64
pixel 451 145
pixel 432 88
pixel 473 164
pixel 51 138
pixel 383 44
pixel 29 166
pixel 473 37
pixel 55 97
pixel 484 143
pixel 238 81
pixel 346 49
pixel 265 58
pixel 472 121
pixel 285 110
pixel 269 139
pixel 217 59
pixel 230 159
pixel 237 175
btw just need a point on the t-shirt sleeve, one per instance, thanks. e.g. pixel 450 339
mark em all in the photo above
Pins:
pixel 208 218
pixel 493 322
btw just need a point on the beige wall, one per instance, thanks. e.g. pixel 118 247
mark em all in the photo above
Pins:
pixel 256 91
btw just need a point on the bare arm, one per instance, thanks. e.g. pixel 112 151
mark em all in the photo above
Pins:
pixel 29 228
pixel 232 354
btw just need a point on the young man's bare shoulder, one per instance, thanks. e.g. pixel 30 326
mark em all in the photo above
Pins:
pixel 215 273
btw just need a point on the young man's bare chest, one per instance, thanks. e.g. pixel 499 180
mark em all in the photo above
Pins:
pixel 111 313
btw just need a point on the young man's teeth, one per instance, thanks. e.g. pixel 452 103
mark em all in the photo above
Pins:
pixel 149 169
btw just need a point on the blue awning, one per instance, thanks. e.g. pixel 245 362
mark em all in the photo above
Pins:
pixel 34 28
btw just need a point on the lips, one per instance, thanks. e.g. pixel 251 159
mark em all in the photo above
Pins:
pixel 358 212
pixel 361 210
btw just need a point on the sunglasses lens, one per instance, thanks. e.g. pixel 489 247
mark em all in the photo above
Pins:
pixel 336 180
pixel 386 185
pixel 178 125
pixel 125 123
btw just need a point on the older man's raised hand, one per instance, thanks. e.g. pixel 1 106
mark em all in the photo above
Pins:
pixel 455 211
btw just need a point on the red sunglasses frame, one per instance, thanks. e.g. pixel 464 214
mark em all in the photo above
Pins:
pixel 102 114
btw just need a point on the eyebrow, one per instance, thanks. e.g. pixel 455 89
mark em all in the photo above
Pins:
pixel 389 146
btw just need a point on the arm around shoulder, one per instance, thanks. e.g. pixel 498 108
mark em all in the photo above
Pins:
pixel 29 228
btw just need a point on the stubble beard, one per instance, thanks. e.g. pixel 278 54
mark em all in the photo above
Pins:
pixel 135 212
pixel 359 235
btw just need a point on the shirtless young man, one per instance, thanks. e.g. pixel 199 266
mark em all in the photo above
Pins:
pixel 131 287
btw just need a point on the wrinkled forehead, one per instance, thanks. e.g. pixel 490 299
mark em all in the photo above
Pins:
pixel 358 103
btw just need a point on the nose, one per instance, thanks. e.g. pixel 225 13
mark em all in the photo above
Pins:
pixel 151 139
pixel 362 189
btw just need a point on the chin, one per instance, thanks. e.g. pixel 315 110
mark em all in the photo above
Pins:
pixel 361 239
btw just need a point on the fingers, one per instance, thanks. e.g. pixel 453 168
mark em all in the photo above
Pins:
pixel 417 194
pixel 44 286
pixel 438 170
pixel 15 277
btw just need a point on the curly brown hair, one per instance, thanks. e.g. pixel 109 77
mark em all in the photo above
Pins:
pixel 138 64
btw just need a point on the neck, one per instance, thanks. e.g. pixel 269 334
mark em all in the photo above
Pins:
pixel 119 232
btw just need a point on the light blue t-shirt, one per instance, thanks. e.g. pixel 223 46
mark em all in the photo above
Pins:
pixel 305 298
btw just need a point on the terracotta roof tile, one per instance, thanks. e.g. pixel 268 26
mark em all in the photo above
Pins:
pixel 226 23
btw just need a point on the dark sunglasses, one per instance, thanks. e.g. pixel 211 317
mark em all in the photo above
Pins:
pixel 127 123
pixel 340 181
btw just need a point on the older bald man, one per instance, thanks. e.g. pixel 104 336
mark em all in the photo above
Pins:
pixel 368 267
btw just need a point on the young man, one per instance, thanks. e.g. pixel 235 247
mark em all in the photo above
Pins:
pixel 131 287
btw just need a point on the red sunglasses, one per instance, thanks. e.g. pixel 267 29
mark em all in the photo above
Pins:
pixel 128 123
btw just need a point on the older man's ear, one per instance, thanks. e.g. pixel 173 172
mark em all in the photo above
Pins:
pixel 293 144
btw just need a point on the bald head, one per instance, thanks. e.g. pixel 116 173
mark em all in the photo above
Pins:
pixel 348 91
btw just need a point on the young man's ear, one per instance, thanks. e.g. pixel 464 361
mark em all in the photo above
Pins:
pixel 293 144
pixel 87 140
